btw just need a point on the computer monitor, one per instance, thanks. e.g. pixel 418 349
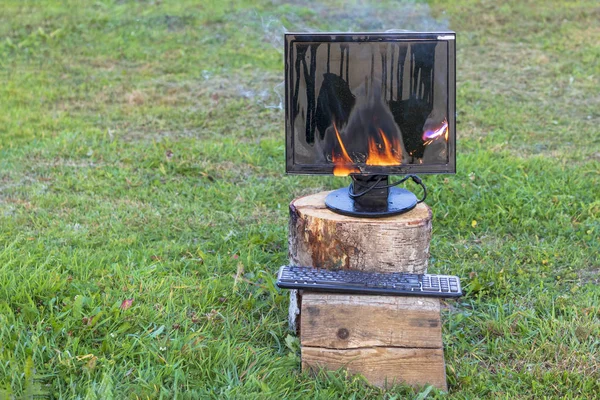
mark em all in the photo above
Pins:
pixel 370 104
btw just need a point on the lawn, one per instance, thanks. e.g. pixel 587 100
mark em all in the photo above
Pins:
pixel 144 205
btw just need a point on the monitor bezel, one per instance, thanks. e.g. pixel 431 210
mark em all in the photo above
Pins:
pixel 327 169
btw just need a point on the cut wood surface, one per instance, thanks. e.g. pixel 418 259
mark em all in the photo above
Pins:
pixel 382 366
pixel 321 238
pixel 351 321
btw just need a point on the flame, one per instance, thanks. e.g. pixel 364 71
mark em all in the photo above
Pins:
pixel 430 135
pixel 384 154
pixel 343 164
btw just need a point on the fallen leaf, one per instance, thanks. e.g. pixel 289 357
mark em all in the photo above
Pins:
pixel 126 304
pixel 84 357
pixel 212 314
pixel 91 364
pixel 238 274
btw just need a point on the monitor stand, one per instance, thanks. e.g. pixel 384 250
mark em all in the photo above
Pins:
pixel 370 196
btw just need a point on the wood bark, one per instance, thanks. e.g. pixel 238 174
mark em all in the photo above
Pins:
pixel 321 238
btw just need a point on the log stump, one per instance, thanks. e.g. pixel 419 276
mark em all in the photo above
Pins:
pixel 321 238
pixel 387 339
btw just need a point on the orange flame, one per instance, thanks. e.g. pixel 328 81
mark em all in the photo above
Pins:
pixel 386 153
pixel 343 164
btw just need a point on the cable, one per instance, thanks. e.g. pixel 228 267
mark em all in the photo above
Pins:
pixel 415 179
pixel 353 195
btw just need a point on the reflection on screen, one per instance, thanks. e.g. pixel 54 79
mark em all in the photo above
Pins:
pixel 369 103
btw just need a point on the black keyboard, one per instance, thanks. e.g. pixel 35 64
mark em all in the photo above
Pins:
pixel 390 284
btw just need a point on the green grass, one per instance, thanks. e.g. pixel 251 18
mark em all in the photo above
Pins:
pixel 138 160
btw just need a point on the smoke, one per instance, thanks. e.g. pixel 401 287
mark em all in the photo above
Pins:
pixel 331 16
pixel 268 98
pixel 321 16
pixel 274 30
pixel 279 91
pixel 358 16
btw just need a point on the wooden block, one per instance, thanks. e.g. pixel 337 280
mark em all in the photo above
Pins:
pixel 338 321
pixel 382 366
pixel 388 339
pixel 321 238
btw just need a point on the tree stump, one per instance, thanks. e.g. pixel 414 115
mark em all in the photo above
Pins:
pixel 388 339
pixel 321 238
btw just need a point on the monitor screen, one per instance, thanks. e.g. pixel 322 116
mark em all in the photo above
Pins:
pixel 370 103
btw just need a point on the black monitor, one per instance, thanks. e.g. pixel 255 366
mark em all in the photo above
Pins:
pixel 370 104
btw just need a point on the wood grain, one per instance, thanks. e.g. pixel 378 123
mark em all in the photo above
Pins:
pixel 382 366
pixel 352 321
pixel 321 238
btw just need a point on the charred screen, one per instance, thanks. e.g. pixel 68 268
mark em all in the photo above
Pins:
pixel 369 103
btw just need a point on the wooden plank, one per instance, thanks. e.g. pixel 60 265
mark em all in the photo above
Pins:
pixel 382 366
pixel 351 321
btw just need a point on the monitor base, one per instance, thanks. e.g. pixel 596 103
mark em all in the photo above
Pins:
pixel 399 201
